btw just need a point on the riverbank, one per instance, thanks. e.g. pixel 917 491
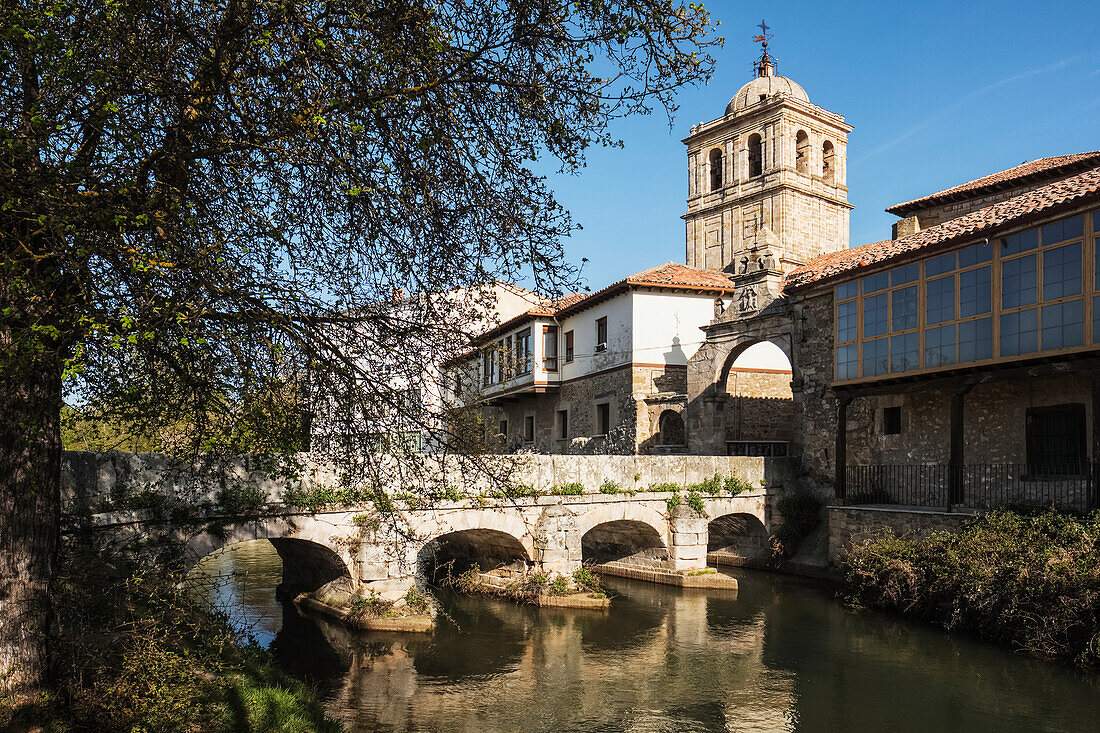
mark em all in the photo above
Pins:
pixel 1031 581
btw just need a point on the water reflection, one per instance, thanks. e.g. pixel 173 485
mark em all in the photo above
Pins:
pixel 779 655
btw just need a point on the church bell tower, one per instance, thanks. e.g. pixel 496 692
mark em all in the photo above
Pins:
pixel 767 181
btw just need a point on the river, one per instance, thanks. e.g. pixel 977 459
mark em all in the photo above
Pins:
pixel 780 654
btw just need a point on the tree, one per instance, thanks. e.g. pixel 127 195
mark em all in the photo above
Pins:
pixel 202 199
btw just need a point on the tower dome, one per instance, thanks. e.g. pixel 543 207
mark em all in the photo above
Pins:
pixel 766 84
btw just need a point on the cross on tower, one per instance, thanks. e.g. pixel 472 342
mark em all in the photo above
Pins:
pixel 764 36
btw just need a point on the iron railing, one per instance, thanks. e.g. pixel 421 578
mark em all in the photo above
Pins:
pixel 977 486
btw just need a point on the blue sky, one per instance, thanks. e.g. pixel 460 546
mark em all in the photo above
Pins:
pixel 938 93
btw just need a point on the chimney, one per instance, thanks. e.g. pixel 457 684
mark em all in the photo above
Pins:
pixel 905 227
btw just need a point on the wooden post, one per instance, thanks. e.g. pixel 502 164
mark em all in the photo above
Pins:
pixel 956 459
pixel 841 458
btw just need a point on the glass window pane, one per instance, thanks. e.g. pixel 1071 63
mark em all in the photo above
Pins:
pixel 975 295
pixel 846 364
pixel 1020 242
pixel 1020 332
pixel 939 346
pixel 847 290
pixel 978 253
pixel 1062 272
pixel 903 309
pixel 1096 319
pixel 876 357
pixel 874 283
pixel 1063 325
pixel 976 340
pixel 874 315
pixel 906 274
pixel 846 321
pixel 1065 229
pixel 1096 221
pixel 904 352
pixel 940 300
pixel 939 265
pixel 1018 282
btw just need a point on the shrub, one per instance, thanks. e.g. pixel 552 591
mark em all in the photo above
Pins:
pixel 521 491
pixel 801 512
pixel 372 606
pixel 416 602
pixel 368 522
pixel 586 579
pixel 695 501
pixel 735 485
pixel 712 485
pixel 241 500
pixel 559 586
pixel 673 501
pixel 609 487
pixel 1029 581
pixel 666 486
pixel 573 488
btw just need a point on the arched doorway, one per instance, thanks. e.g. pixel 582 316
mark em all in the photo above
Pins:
pixel 624 540
pixel 759 406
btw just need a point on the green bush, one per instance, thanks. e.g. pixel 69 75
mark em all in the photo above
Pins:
pixel 712 485
pixel 735 485
pixel 666 486
pixel 559 586
pixel 695 501
pixel 674 501
pixel 521 491
pixel 586 579
pixel 573 488
pixel 801 512
pixel 609 487
pixel 1029 581
pixel 241 500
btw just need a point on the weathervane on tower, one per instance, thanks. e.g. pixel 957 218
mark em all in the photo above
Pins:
pixel 766 65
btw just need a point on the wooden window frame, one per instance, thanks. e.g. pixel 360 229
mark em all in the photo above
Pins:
pixel 601 325
pixel 603 408
pixel 569 346
pixel 1089 240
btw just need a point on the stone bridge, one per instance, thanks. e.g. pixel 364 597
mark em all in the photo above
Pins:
pixel 129 499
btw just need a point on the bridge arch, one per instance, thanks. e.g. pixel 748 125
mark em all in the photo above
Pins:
pixel 623 530
pixel 739 535
pixel 453 553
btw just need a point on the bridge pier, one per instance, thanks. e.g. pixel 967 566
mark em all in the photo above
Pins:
pixel 688 531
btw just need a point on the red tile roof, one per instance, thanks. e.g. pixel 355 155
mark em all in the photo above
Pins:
pixel 671 275
pixel 1036 170
pixel 1075 189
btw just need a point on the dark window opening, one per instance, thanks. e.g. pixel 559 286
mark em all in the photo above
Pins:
pixel 756 155
pixel 671 426
pixel 891 421
pixel 503 431
pixel 802 152
pixel 827 165
pixel 529 428
pixel 603 419
pixel 715 169
pixel 601 334
pixel 563 424
pixel 1056 440
pixel 569 346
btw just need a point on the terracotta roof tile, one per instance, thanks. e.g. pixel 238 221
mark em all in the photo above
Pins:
pixel 1076 188
pixel 1033 170
pixel 672 275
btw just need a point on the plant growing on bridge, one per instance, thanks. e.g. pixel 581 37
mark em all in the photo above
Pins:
pixel 559 586
pixel 211 216
pixel 735 485
pixel 695 501
pixel 585 578
pixel 666 486
pixel 609 487
pixel 674 501
pixel 239 499
pixel 573 488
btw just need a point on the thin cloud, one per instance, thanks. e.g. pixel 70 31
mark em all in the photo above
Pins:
pixel 950 109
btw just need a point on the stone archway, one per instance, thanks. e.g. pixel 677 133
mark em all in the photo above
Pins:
pixel 454 553
pixel 623 540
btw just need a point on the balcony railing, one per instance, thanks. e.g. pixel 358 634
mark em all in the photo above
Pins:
pixel 975 486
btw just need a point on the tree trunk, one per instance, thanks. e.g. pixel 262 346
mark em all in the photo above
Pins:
pixel 30 477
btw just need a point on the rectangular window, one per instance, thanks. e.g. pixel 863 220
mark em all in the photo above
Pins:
pixel 550 348
pixel 938 265
pixel 891 421
pixel 529 428
pixel 976 340
pixel 847 320
pixel 1021 242
pixel 1056 440
pixel 563 424
pixel 601 333
pixel 875 283
pixel 940 300
pixel 1096 320
pixel 1062 272
pixel 875 311
pixel 939 346
pixel 569 346
pixel 603 419
pixel 876 357
pixel 1063 325
pixel 904 352
pixel 1020 332
pixel 1018 282
pixel 903 309
pixel 847 366
pixel 1060 231
pixel 486 367
pixel 904 275
pixel 847 290
pixel 974 292
pixel 976 255
pixel 523 352
pixel 502 430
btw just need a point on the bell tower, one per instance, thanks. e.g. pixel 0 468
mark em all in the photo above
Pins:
pixel 767 181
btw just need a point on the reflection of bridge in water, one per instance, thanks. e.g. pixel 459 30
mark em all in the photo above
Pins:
pixel 552 534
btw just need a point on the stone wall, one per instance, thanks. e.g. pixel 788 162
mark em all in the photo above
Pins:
pixel 759 406
pixel 814 438
pixel 854 524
